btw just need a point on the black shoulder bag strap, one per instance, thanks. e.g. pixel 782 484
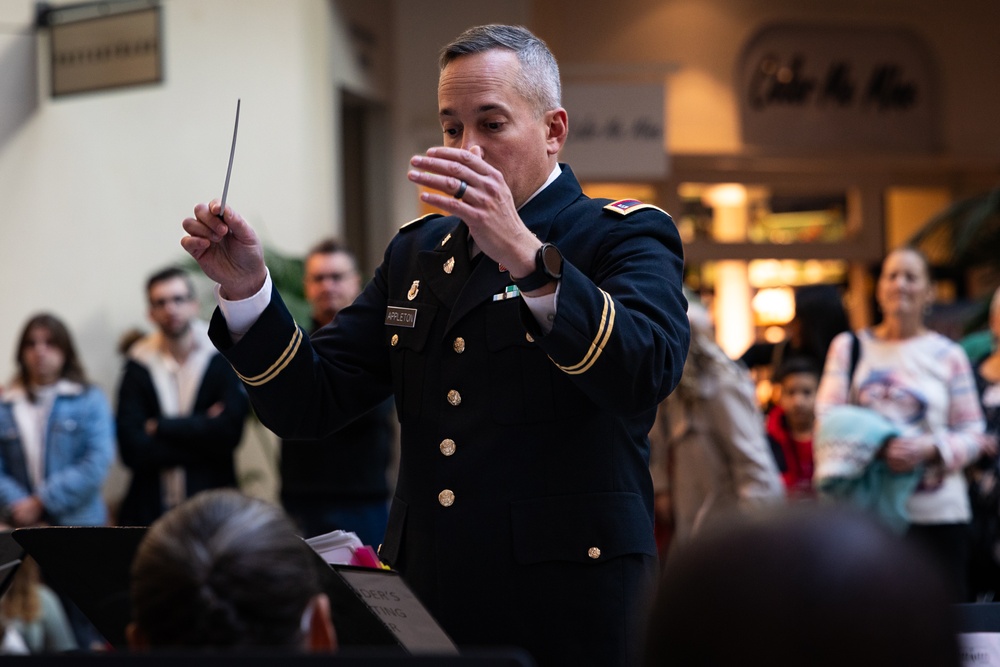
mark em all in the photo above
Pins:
pixel 855 355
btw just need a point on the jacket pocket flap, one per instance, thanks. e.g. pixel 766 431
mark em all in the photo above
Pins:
pixel 590 528
pixel 503 326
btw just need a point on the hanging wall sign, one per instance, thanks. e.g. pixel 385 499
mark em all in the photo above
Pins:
pixel 616 131
pixel 100 52
pixel 838 88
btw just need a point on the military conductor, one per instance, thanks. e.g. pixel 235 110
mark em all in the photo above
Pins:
pixel 527 338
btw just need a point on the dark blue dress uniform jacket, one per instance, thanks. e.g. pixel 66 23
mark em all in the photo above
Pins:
pixel 523 510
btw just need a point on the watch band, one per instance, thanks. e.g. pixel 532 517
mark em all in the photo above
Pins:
pixel 542 275
pixel 534 280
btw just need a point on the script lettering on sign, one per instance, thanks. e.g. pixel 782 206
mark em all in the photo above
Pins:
pixel 834 87
pixel 617 131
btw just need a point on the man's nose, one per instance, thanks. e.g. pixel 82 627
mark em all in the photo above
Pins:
pixel 470 138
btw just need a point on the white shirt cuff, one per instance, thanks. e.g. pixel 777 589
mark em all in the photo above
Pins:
pixel 543 308
pixel 241 315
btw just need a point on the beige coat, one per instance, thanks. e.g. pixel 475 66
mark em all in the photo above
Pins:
pixel 709 450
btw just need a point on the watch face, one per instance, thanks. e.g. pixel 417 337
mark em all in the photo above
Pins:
pixel 553 261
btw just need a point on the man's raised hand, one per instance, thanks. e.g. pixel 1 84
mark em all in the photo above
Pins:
pixel 227 249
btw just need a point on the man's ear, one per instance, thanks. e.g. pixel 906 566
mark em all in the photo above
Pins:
pixel 322 636
pixel 557 126
pixel 135 637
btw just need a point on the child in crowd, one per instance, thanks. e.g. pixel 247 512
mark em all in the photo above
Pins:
pixel 790 424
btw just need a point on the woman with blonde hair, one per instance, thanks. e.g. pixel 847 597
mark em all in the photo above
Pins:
pixel 921 383
pixel 34 611
pixel 708 450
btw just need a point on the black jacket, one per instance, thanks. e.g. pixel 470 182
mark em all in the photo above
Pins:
pixel 347 465
pixel 523 508
pixel 202 445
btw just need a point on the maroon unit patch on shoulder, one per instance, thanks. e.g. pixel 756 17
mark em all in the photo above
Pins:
pixel 626 206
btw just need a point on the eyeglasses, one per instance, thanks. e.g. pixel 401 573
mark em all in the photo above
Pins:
pixel 178 300
pixel 318 278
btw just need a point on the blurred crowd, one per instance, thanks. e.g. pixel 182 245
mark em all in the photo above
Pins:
pixel 179 416
pixel 893 423
pixel 894 419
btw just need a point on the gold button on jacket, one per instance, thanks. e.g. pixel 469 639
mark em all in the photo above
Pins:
pixel 447 447
pixel 446 498
pixel 594 552
pixel 454 398
pixel 459 345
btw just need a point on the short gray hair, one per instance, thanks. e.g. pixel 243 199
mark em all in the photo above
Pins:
pixel 539 74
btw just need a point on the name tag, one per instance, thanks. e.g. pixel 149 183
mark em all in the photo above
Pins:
pixel 401 317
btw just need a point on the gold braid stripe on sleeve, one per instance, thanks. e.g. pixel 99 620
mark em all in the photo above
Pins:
pixel 600 340
pixel 277 366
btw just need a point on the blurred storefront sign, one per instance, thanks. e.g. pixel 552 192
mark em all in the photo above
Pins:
pixel 616 131
pixel 95 46
pixel 837 88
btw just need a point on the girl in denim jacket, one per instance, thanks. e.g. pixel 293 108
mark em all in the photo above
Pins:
pixel 56 434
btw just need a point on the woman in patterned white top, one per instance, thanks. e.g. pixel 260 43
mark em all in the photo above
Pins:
pixel 923 383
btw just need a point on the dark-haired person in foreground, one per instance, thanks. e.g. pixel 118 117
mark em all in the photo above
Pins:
pixel 807 584
pixel 527 337
pixel 223 570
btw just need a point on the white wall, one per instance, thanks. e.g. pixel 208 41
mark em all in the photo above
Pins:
pixel 93 187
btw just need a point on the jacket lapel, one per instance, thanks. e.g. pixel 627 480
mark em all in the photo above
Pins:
pixel 465 286
pixel 486 280
pixel 445 269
